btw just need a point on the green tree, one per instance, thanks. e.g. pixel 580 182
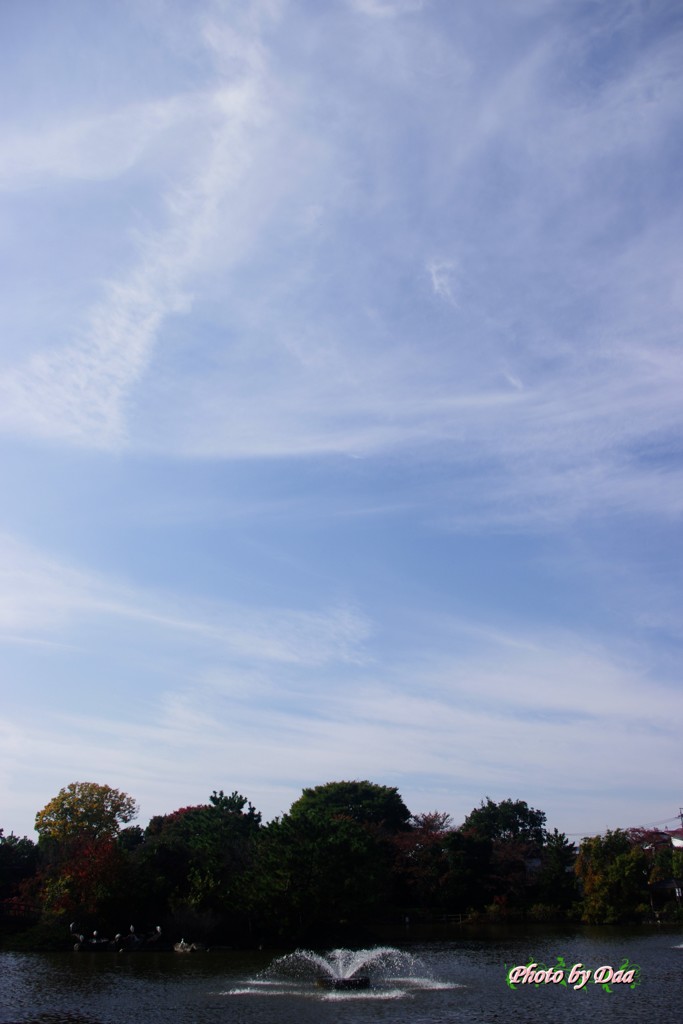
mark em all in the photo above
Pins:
pixel 612 872
pixel 85 810
pixel 515 833
pixel 235 804
pixel 317 871
pixel 677 863
pixel 130 838
pixel 507 820
pixel 329 861
pixel 557 880
pixel 469 858
pixel 197 857
pixel 364 802
pixel 18 861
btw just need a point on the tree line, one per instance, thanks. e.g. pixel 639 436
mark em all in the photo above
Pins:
pixel 346 857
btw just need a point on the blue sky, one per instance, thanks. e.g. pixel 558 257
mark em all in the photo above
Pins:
pixel 340 403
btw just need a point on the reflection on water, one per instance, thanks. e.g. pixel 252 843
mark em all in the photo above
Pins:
pixel 398 990
pixel 463 981
pixel 59 1017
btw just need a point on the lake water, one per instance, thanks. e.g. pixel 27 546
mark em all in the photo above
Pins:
pixel 463 980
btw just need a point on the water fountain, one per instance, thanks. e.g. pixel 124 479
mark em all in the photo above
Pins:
pixel 381 972
pixel 340 969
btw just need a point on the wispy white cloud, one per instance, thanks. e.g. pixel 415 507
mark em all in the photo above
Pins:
pixel 586 399
pixel 485 711
pixel 546 289
pixel 387 8
pixel 379 229
pixel 42 599
pixel 79 392
pixel 554 722
pixel 98 148
pixel 444 279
